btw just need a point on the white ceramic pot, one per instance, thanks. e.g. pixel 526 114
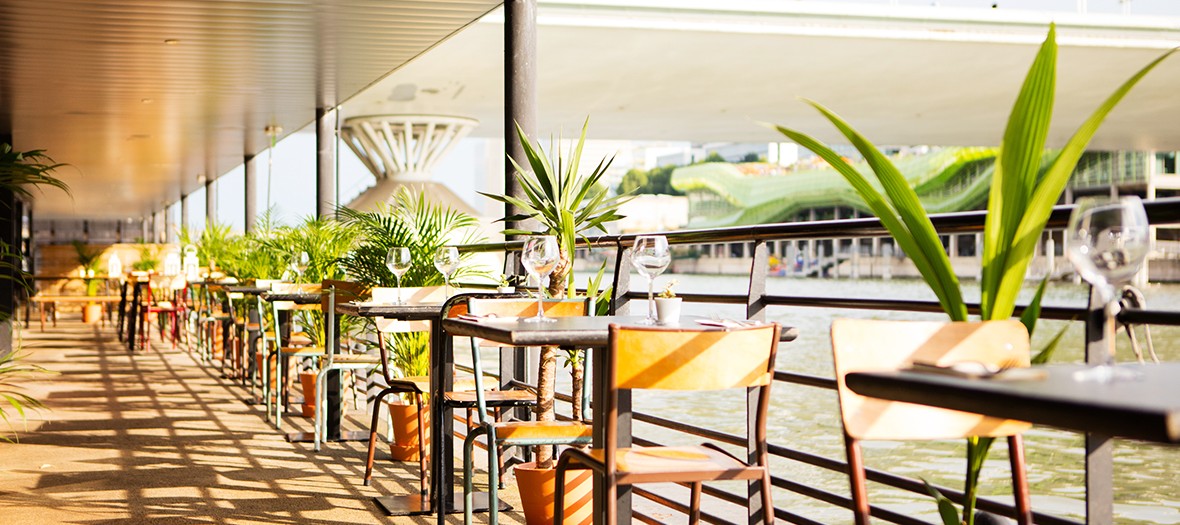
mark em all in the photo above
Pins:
pixel 506 289
pixel 668 310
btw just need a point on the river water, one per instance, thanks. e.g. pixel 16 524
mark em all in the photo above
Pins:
pixel 806 418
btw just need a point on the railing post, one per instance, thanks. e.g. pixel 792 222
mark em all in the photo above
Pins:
pixel 756 309
pixel 1099 449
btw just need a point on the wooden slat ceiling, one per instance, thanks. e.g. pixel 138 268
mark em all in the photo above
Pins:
pixel 141 97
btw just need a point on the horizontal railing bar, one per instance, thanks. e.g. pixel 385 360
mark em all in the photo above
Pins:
pixel 805 379
pixel 677 506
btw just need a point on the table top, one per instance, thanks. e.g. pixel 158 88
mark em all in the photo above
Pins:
pixel 407 312
pixel 74 298
pixel 1146 408
pixel 256 290
pixel 297 298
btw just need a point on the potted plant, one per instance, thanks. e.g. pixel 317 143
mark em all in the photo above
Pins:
pixel 668 305
pixel 1022 197
pixel 565 202
pixel 504 285
pixel 412 221
pixel 88 261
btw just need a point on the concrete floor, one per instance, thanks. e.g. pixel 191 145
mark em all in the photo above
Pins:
pixel 157 438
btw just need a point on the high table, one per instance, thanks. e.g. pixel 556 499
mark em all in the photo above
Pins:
pixel 53 300
pixel 1146 408
pixel 577 332
pixel 334 413
pixel 400 504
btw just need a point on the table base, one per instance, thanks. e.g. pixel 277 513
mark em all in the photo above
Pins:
pixel 309 437
pixel 418 505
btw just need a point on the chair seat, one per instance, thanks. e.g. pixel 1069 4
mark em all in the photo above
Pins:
pixel 299 339
pixel 302 350
pixel 531 432
pixel 675 464
pixel 253 327
pixel 422 383
pixel 493 398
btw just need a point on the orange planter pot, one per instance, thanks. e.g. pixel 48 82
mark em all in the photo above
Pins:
pixel 406 419
pixel 91 313
pixel 307 380
pixel 537 487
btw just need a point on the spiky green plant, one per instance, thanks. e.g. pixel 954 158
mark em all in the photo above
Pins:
pixel 564 201
pixel 1019 204
pixel 11 395
pixel 20 170
pixel 412 221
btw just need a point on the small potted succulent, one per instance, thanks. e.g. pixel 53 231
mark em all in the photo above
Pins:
pixel 668 305
pixel 505 284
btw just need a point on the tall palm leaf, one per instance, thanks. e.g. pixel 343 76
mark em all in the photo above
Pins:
pixel 1019 204
pixel 564 201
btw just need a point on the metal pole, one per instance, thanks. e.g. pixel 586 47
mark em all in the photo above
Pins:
pixel 325 162
pixel 520 87
pixel 251 198
pixel 1099 449
pixel 183 212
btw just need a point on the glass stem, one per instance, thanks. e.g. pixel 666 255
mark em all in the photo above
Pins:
pixel 651 302
pixel 399 288
pixel 540 296
pixel 1110 331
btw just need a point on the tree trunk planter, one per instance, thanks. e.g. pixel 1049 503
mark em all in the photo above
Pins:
pixel 406 418
pixel 91 313
pixel 537 487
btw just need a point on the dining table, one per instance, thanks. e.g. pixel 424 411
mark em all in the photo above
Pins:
pixel 568 332
pixel 1143 406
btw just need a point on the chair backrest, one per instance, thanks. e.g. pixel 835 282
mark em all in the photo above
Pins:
pixel 862 345
pixel 525 307
pixel 692 359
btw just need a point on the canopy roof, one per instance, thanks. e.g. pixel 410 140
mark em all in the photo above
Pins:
pixel 142 97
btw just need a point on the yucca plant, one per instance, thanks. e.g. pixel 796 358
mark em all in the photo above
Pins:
pixel 412 221
pixel 1019 204
pixel 564 201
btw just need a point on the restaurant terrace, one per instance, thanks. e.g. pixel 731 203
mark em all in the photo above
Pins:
pixel 320 261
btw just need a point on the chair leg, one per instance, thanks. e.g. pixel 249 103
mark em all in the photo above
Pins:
pixel 373 434
pixel 317 417
pixel 468 476
pixel 1019 480
pixel 694 504
pixel 493 480
pixel 559 493
pixel 767 499
pixel 856 478
pixel 423 462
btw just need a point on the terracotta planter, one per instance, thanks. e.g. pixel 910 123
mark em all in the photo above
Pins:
pixel 406 419
pixel 307 380
pixel 537 487
pixel 92 313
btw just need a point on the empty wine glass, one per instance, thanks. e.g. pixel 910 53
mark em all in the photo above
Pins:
pixel 446 260
pixel 398 261
pixel 1107 240
pixel 650 257
pixel 301 262
pixel 539 257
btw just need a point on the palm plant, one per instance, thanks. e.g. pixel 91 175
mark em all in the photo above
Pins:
pixel 88 259
pixel 1021 199
pixel 20 170
pixel 413 222
pixel 564 201
pixel 259 258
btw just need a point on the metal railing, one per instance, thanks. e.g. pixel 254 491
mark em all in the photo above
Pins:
pixel 757 300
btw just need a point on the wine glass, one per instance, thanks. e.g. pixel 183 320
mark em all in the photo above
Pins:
pixel 1107 240
pixel 650 257
pixel 301 262
pixel 398 261
pixel 446 260
pixel 539 257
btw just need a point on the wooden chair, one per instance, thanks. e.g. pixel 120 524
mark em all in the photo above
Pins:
pixel 504 434
pixel 680 359
pixel 157 303
pixel 871 345
pixel 333 358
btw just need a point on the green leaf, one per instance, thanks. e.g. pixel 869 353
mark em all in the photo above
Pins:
pixel 946 508
pixel 1016 170
pixel 1046 353
pixel 1033 311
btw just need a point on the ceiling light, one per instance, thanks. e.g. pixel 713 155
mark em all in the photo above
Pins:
pixel 171 41
pixel 201 179
pixel 273 130
pixel 146 100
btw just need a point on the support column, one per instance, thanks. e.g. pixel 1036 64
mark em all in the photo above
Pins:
pixel 520 90
pixel 251 192
pixel 183 211
pixel 168 226
pixel 325 162
pixel 210 202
